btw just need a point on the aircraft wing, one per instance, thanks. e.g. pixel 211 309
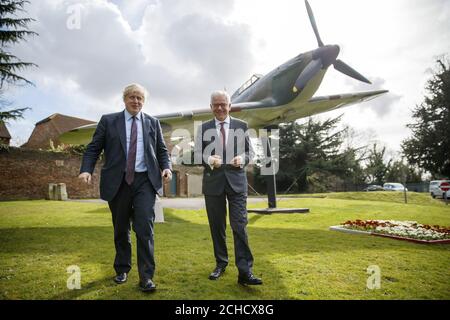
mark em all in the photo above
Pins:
pixel 321 104
pixel 267 114
pixel 258 115
pixel 80 135
pixel 264 113
pixel 185 120
pixel 170 122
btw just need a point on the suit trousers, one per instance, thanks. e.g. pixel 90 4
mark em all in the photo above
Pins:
pixel 216 208
pixel 134 205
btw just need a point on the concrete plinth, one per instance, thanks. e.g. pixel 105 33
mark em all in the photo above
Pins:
pixel 278 210
pixel 57 191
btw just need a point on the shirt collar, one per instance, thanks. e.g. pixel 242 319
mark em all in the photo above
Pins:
pixel 128 115
pixel 227 121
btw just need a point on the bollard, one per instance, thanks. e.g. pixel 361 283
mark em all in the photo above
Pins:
pixel 52 191
pixel 61 192
pixel 159 213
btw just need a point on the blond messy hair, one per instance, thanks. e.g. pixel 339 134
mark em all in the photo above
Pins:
pixel 134 87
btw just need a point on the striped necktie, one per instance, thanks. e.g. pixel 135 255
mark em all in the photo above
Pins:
pixel 131 158
pixel 222 134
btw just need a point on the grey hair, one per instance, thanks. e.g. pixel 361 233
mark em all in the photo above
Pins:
pixel 220 93
pixel 134 87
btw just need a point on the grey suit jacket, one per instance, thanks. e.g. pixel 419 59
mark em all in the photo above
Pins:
pixel 208 143
pixel 110 136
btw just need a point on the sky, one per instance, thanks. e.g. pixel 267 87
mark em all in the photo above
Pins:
pixel 181 51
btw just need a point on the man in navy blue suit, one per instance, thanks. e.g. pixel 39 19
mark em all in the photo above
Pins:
pixel 136 159
pixel 224 148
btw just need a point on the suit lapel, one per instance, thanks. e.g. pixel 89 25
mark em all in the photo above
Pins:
pixel 120 126
pixel 230 136
pixel 145 129
pixel 212 125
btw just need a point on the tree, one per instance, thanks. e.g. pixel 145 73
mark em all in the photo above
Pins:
pixel 399 171
pixel 12 30
pixel 312 159
pixel 376 169
pixel 428 148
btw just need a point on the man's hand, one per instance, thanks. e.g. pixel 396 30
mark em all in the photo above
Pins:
pixel 236 162
pixel 215 161
pixel 85 177
pixel 167 175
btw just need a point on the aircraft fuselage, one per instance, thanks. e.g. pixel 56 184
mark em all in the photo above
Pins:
pixel 275 88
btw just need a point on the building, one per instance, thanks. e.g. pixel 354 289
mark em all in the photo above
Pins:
pixel 5 137
pixel 51 128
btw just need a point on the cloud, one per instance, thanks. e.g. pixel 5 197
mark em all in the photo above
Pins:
pixel 180 52
pixel 133 11
pixel 201 48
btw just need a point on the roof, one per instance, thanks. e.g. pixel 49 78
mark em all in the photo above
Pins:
pixel 63 123
pixel 4 133
pixel 51 128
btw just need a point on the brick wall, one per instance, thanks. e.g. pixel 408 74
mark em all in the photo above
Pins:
pixel 25 174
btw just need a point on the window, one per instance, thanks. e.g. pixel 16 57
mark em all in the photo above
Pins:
pixel 248 83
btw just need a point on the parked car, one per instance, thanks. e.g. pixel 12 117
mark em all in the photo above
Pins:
pixel 394 186
pixel 374 187
pixel 435 188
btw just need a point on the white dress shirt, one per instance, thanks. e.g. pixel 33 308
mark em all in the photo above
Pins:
pixel 140 158
pixel 226 127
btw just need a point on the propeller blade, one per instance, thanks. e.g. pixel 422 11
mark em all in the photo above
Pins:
pixel 307 74
pixel 341 66
pixel 313 23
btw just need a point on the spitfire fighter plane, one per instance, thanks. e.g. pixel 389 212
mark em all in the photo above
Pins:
pixel 286 93
pixel 283 95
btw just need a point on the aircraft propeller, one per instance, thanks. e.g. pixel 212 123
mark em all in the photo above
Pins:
pixel 323 57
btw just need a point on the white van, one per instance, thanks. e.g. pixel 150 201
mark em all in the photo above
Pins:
pixel 435 188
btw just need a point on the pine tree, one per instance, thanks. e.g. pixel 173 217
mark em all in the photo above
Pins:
pixel 428 148
pixel 312 157
pixel 12 31
pixel 377 169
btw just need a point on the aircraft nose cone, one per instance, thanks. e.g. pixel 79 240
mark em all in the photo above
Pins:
pixel 336 50
pixel 329 54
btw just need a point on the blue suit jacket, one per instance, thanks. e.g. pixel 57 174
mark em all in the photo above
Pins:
pixel 110 136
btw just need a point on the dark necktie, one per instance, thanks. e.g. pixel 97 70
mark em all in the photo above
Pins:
pixel 131 159
pixel 222 133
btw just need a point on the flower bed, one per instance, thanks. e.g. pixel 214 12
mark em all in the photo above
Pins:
pixel 404 230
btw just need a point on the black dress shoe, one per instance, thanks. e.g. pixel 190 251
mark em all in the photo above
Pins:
pixel 121 278
pixel 147 285
pixel 218 271
pixel 249 279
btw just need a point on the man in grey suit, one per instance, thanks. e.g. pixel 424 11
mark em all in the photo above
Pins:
pixel 223 146
pixel 136 159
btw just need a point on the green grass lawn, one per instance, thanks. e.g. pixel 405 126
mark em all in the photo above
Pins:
pixel 296 255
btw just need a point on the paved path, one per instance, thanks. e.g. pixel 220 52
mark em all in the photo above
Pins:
pixel 182 203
